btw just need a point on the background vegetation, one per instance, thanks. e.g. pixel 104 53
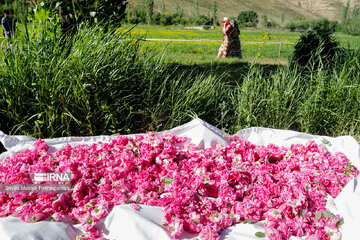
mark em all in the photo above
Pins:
pixel 282 11
pixel 104 82
pixel 144 12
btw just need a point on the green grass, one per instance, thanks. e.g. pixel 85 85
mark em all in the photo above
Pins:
pixel 105 84
pixel 175 32
pixel 198 59
pixel 250 50
pixel 256 44
pixel 2 43
pixel 247 35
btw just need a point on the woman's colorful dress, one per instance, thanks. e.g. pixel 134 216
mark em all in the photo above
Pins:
pixel 224 48
pixel 231 46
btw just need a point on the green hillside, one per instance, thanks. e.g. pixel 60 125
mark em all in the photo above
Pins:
pixel 279 10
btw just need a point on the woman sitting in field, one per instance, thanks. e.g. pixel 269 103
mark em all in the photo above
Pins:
pixel 231 42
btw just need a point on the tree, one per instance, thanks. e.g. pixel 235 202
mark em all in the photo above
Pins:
pixel 162 6
pixel 269 23
pixel 202 20
pixel 248 18
pixel 177 17
pixel 214 12
pixel 149 9
pixel 72 12
pixel 346 11
pixel 196 8
pixel 178 11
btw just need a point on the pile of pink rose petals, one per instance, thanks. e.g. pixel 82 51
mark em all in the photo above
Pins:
pixel 200 191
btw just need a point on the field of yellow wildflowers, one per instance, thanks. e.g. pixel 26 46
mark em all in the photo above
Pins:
pixel 260 44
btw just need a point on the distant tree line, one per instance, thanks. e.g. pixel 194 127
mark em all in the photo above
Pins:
pixel 350 23
pixel 144 12
pixel 111 13
pixel 301 24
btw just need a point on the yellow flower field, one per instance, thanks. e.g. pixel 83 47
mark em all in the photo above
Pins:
pixel 273 44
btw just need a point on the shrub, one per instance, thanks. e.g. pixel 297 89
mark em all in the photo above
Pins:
pixel 324 101
pixel 136 16
pixel 298 25
pixel 178 19
pixel 272 24
pixel 166 19
pixel 291 26
pixel 155 19
pixel 202 20
pixel 317 44
pixel 103 84
pixel 248 18
pixel 269 23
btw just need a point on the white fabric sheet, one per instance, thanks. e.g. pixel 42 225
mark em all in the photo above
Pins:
pixel 125 223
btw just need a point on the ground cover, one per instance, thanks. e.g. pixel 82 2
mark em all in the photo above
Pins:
pixel 255 43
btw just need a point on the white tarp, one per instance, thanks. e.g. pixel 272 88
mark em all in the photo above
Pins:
pixel 125 223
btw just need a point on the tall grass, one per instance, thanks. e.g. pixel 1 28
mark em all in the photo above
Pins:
pixel 106 84
pixel 323 101
pixel 94 83
pixel 99 86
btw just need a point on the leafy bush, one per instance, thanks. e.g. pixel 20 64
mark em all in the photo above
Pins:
pixel 248 18
pixel 155 19
pixel 269 23
pixel 324 26
pixel 166 19
pixel 317 44
pixel 202 20
pixel 298 25
pixel 136 17
pixel 178 19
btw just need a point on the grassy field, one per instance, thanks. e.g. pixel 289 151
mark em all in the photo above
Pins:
pixel 262 46
pixel 102 83
pixel 281 11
